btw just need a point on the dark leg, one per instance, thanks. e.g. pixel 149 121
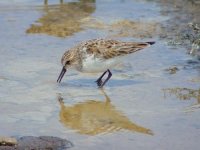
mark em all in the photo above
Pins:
pixel 99 80
pixel 109 76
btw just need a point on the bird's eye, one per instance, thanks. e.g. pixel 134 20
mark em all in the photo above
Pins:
pixel 67 63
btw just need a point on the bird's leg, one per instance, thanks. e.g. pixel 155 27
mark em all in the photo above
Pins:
pixel 109 76
pixel 99 80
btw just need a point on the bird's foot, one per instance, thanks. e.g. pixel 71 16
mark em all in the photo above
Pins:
pixel 99 83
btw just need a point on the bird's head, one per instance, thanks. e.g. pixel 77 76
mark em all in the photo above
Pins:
pixel 69 59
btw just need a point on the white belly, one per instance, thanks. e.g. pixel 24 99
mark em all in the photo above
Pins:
pixel 92 65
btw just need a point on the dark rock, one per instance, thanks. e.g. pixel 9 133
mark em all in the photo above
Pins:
pixel 43 142
pixel 172 70
pixel 39 143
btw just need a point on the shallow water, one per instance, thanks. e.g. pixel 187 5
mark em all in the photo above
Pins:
pixel 146 106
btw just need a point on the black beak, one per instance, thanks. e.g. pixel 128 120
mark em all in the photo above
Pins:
pixel 61 75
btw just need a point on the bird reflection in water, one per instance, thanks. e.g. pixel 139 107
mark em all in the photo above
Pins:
pixel 94 117
pixel 64 19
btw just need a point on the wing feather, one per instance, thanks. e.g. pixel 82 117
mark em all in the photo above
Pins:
pixel 112 48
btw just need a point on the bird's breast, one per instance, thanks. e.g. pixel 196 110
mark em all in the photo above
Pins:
pixel 93 64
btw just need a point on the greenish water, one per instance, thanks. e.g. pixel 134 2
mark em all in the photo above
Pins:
pixel 144 106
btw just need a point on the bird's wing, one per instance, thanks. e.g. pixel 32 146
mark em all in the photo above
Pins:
pixel 112 48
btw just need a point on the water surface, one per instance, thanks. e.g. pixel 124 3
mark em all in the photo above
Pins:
pixel 143 106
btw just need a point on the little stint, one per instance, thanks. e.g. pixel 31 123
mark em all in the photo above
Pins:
pixel 98 55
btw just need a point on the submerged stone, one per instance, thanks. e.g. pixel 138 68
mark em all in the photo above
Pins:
pixel 37 143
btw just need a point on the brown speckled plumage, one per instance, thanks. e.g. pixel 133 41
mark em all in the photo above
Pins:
pixel 99 54
pixel 104 48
